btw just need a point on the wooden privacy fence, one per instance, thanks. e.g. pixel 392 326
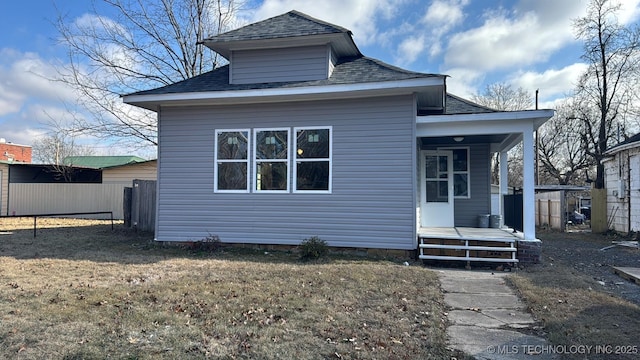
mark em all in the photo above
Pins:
pixel 550 210
pixel 139 205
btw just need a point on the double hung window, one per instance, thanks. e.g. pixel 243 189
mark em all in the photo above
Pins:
pixel 271 152
pixel 232 161
pixel 461 173
pixel 313 159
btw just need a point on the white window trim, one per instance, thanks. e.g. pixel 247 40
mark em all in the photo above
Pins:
pixel 294 160
pixel 468 172
pixel 216 161
pixel 256 160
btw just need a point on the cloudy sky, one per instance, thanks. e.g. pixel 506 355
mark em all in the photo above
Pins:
pixel 526 43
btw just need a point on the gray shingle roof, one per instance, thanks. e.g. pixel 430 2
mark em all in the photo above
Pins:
pixel 633 139
pixel 291 24
pixel 353 70
pixel 457 105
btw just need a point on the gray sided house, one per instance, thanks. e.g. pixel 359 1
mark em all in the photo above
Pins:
pixel 302 135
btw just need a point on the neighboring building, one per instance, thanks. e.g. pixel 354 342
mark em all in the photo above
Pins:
pixel 101 162
pixel 302 135
pixel 10 152
pixel 622 183
pixel 48 189
pixel 117 169
pixel 4 186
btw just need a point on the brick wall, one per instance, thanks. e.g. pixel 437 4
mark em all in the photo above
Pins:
pixel 529 252
pixel 13 152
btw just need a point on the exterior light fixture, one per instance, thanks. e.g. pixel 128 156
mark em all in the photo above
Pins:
pixel 458 138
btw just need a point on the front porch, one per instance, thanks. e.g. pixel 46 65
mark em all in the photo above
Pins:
pixel 468 244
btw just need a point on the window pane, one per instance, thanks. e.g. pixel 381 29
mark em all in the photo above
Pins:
pixel 443 164
pixel 232 145
pixel 460 160
pixel 232 176
pixel 460 185
pixel 433 191
pixel 431 168
pixel 271 176
pixel 312 175
pixel 271 144
pixel 443 190
pixel 312 144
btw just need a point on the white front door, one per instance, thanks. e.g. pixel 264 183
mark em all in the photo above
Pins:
pixel 436 191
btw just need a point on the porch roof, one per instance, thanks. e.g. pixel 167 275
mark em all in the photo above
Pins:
pixel 502 129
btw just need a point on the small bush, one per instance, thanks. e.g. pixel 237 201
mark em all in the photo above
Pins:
pixel 313 248
pixel 211 243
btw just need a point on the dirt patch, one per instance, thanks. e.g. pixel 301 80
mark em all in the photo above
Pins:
pixel 586 310
pixel 581 252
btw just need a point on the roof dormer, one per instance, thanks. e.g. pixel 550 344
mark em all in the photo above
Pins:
pixel 288 47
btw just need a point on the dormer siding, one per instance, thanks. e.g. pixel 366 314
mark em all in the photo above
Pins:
pixel 281 65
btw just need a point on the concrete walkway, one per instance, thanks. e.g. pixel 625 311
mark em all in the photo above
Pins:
pixel 487 319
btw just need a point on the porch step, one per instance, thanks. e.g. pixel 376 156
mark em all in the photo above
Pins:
pixel 433 257
pixel 465 248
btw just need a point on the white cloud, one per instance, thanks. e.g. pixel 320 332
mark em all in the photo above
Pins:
pixel 359 16
pixel 26 76
pixel 442 16
pixel 629 12
pixel 502 42
pixel 410 48
pixel 512 39
pixel 461 81
pixel 552 83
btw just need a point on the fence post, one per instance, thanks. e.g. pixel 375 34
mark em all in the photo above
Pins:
pixel 126 206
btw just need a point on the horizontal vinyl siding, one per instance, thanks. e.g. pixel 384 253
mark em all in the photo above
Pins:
pixel 126 174
pixel 276 65
pixel 371 204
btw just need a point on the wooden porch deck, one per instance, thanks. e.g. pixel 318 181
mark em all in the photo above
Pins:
pixel 468 244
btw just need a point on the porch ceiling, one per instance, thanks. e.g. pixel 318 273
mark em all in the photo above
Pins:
pixel 466 140
pixel 497 142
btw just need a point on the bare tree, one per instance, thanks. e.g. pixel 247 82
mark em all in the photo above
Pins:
pixel 502 96
pixel 605 91
pixel 57 145
pixel 561 150
pixel 53 148
pixel 147 44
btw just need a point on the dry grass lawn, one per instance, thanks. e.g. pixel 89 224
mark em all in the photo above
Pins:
pixel 80 291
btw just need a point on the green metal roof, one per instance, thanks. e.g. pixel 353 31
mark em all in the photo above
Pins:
pixel 101 162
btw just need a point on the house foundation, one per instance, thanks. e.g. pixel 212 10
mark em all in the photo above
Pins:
pixel 529 251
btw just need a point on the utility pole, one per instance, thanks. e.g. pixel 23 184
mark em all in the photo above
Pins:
pixel 537 172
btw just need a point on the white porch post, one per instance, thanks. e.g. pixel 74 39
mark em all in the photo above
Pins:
pixel 528 184
pixel 504 179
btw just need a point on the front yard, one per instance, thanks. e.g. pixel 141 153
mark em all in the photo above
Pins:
pixel 80 291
